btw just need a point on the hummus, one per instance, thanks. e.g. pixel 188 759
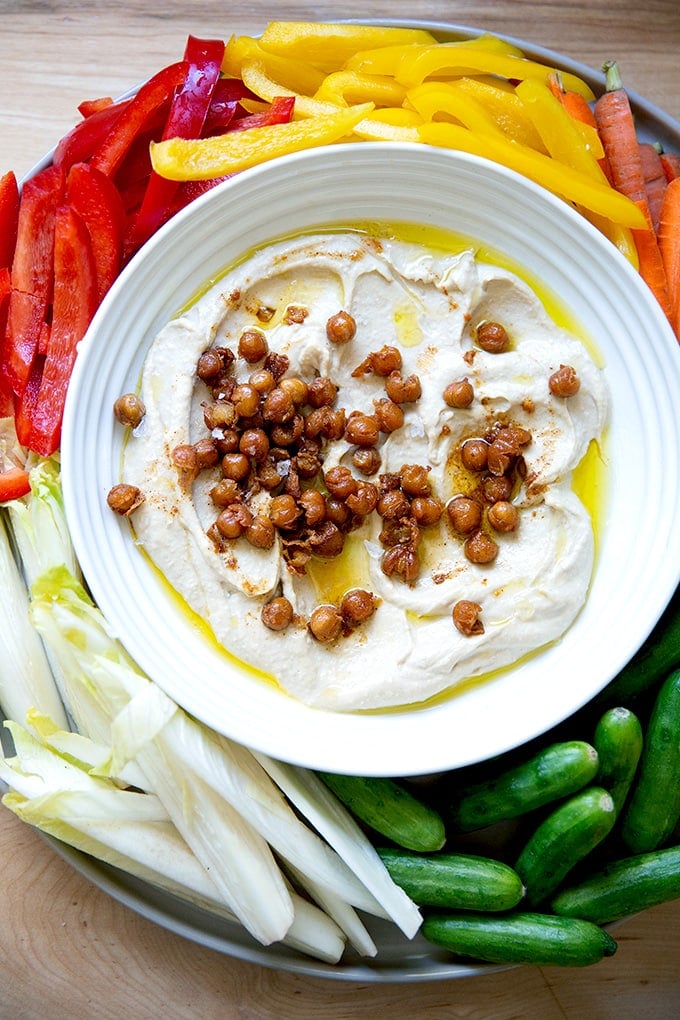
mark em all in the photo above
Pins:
pixel 429 306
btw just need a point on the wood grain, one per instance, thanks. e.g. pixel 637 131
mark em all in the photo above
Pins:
pixel 68 950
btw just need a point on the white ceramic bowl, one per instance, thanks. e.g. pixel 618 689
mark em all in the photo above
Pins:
pixel 639 555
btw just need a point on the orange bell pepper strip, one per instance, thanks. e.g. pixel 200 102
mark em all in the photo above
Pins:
pixel 562 180
pixel 450 61
pixel 328 46
pixel 183 160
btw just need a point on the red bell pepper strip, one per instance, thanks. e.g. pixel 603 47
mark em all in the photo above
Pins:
pixel 6 394
pixel 14 483
pixel 95 198
pixel 9 217
pixel 90 106
pixel 86 137
pixel 187 115
pixel 280 112
pixel 225 104
pixel 75 302
pixel 153 94
pixel 25 404
pixel 32 274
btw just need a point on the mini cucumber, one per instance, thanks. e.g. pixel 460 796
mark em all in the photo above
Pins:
pixel 390 810
pixel 618 742
pixel 654 806
pixel 555 772
pixel 623 888
pixel 651 663
pixel 539 939
pixel 458 881
pixel 566 836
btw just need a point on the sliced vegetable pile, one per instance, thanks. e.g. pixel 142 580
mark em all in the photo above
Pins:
pixel 106 762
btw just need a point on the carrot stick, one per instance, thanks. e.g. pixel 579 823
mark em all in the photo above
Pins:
pixel 616 127
pixel 670 162
pixel 655 180
pixel 669 246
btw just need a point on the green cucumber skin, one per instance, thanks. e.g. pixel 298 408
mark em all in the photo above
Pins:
pixel 623 888
pixel 524 938
pixel 654 806
pixel 618 741
pixel 456 881
pixel 555 772
pixel 651 663
pixel 390 810
pixel 563 839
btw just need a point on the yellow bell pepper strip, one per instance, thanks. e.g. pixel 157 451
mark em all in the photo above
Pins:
pixel 562 180
pixel 293 74
pixel 391 124
pixel 565 142
pixel 499 99
pixel 449 61
pixel 182 159
pixel 328 46
pixel 258 81
pixel 345 87
pixel 434 98
pixel 385 59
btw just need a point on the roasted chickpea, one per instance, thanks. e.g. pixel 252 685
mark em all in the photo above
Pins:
pixel 403 561
pixel 382 362
pixel 357 606
pixel 362 430
pixel 415 479
pixel 465 514
pixel 474 454
pixel 246 400
pixel 277 406
pixel 330 542
pixel 403 390
pixel 313 505
pixel 321 392
pixel 129 410
pixel 499 458
pixel 393 505
pixel 225 492
pixel 255 444
pixel 564 382
pixel 277 614
pixel 466 617
pixel 288 432
pixel 295 314
pixel 185 460
pixel 206 454
pixel 325 623
pixel 480 548
pixel 252 345
pixel 260 533
pixel 227 441
pixel 341 328
pixel 233 520
pixel 426 510
pixel 124 499
pixel 366 460
pixel 496 487
pixel 235 466
pixel 340 482
pixel 284 511
pixel 503 516
pixel 389 415
pixel 262 380
pixel 459 394
pixel 308 463
pixel 492 337
pixel 221 414
pixel 267 475
pixel 296 389
pixel 364 499
pixel 337 512
pixel 210 365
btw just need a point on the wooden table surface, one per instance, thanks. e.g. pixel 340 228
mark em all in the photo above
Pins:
pixel 67 950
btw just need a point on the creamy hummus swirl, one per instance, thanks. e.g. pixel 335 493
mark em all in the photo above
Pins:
pixel 428 305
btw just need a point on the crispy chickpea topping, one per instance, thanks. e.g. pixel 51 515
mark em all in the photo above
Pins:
pixel 367 460
pixel 295 314
pixel 277 614
pixel 252 346
pixel 503 516
pixel 465 514
pixel 382 362
pixel 341 328
pixel 357 606
pixel 492 337
pixel 129 410
pixel 466 617
pixel 481 548
pixel 362 430
pixel 474 454
pixel 403 390
pixel 325 623
pixel 564 382
pixel 459 394
pixel 124 499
